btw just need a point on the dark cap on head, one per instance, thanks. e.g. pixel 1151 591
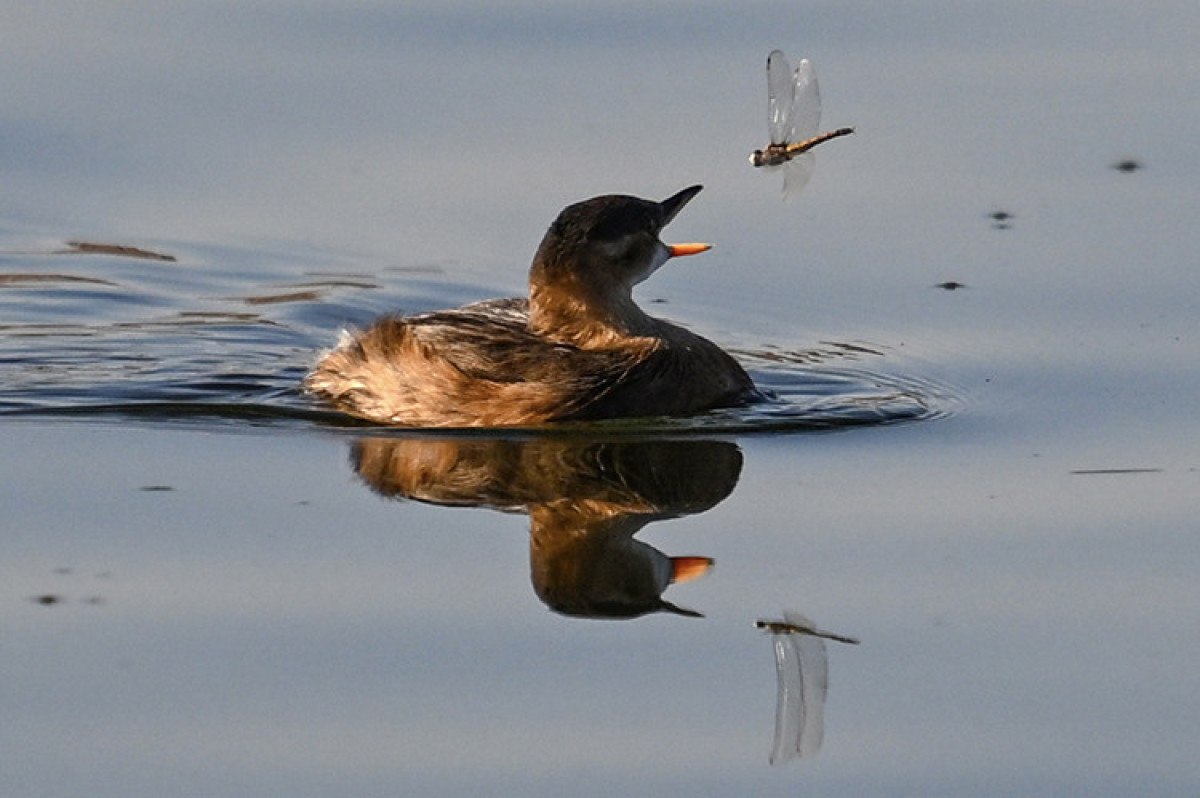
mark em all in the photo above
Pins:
pixel 612 216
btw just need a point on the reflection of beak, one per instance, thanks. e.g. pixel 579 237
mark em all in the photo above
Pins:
pixel 678 250
pixel 685 569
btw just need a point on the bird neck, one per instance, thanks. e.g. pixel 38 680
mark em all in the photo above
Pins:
pixel 587 316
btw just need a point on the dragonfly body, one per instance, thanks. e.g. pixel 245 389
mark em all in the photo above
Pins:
pixel 779 154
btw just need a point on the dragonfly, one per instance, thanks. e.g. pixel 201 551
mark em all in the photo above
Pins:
pixel 793 116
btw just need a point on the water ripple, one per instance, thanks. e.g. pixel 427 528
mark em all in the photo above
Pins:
pixel 226 335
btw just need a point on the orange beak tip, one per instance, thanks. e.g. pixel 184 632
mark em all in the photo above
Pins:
pixel 679 250
pixel 685 569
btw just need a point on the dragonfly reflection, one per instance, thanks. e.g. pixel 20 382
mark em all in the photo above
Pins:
pixel 798 625
pixel 802 668
pixel 793 115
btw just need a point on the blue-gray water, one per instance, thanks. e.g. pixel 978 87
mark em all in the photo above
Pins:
pixel 211 586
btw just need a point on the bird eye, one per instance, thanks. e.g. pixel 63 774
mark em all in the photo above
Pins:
pixel 615 248
pixel 610 230
pixel 621 222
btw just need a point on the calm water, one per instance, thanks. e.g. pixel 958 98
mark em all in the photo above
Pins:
pixel 211 586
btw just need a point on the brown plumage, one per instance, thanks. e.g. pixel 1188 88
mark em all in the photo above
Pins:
pixel 578 349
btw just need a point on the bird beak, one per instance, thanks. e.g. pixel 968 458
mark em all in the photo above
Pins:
pixel 673 205
pixel 685 569
pixel 678 250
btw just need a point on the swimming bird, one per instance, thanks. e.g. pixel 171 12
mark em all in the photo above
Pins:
pixel 579 348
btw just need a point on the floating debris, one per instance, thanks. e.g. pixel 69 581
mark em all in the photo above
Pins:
pixel 17 278
pixel 94 248
pixel 278 299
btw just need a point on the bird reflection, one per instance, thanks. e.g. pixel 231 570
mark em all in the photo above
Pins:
pixel 802 670
pixel 586 499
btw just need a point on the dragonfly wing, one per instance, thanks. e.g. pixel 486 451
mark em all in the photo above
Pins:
pixel 814 682
pixel 781 96
pixel 806 103
pixel 802 670
pixel 796 173
pixel 814 679
pixel 789 699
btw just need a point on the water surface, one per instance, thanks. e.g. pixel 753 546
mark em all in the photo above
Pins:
pixel 213 586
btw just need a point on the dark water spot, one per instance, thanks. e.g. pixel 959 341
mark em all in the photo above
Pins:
pixel 1001 219
pixel 52 599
